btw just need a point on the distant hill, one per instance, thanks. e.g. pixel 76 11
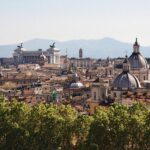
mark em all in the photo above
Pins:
pixel 100 48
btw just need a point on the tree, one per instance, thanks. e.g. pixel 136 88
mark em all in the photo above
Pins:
pixel 99 130
pixel 13 119
pixel 53 127
pixel 137 126
pixel 146 138
pixel 82 127
pixel 118 123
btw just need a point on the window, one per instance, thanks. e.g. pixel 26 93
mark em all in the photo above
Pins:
pixel 94 95
pixel 110 72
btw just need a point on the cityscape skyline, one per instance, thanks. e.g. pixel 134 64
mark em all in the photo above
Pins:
pixel 68 19
pixel 75 74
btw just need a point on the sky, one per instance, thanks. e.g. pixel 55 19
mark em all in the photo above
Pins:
pixel 22 20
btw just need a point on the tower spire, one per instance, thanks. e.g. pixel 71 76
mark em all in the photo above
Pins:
pixel 126 53
pixel 80 53
pixel 66 52
pixel 21 45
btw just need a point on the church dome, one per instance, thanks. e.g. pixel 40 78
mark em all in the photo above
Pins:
pixel 76 85
pixel 126 81
pixel 137 61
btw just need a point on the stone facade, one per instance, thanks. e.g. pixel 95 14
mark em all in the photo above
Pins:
pixel 22 56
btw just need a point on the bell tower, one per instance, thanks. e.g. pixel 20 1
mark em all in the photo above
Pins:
pixel 80 53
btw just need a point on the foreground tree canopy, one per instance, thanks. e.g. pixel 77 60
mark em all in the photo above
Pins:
pixel 52 127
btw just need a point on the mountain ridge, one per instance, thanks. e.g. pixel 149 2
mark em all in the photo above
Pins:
pixel 96 48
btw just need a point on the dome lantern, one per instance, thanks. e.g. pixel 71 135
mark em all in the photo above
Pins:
pixel 126 64
pixel 136 46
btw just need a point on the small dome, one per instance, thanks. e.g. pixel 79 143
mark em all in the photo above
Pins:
pixel 76 85
pixel 126 81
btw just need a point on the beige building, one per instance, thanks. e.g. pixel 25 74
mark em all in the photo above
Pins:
pixel 82 62
pixel 99 90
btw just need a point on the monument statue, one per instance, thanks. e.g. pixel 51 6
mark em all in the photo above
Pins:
pixel 53 45
pixel 20 46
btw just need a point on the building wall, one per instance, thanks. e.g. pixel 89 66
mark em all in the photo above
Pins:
pixel 99 92
pixel 83 63
pixel 23 57
pixel 141 74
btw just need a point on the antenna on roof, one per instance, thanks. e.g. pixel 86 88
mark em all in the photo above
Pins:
pixel 126 53
pixel 21 44
pixel 136 39
pixel 66 52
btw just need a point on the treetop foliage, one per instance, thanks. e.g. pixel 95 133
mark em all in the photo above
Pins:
pixel 53 127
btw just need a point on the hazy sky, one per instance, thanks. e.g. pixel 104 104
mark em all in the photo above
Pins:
pixel 124 20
